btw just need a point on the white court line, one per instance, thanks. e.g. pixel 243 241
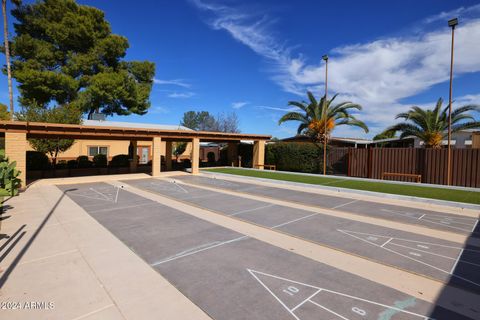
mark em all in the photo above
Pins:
pixel 180 187
pixel 386 242
pixel 197 251
pixel 295 220
pixel 118 190
pixel 423 215
pixel 409 240
pixel 304 301
pixel 408 257
pixel 250 210
pixel 330 291
pixel 416 249
pixel 344 204
pixel 475 225
pixel 120 208
pixel 107 198
pixel 273 294
pixel 331 311
pixel 456 262
pixel 406 215
pixel 88 197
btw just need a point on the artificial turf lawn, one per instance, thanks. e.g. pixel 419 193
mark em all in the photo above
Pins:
pixel 401 189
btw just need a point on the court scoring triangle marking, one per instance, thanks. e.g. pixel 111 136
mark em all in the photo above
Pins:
pixel 258 275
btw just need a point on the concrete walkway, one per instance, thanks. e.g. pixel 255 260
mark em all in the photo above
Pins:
pixel 71 267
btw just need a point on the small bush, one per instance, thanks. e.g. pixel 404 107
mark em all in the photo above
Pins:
pixel 72 164
pixel 100 160
pixel 83 162
pixel 211 156
pixel 297 157
pixel 187 163
pixel 120 160
pixel 37 161
pixel 62 164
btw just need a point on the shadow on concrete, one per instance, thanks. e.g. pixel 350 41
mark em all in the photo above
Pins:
pixel 17 236
pixel 470 270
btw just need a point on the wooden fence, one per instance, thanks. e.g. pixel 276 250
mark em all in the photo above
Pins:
pixel 431 164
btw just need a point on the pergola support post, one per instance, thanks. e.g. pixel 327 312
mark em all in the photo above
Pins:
pixel 156 156
pixel 168 155
pixel 134 161
pixel 16 150
pixel 195 159
pixel 259 154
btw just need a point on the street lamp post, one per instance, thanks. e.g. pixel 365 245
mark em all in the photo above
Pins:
pixel 452 24
pixel 325 57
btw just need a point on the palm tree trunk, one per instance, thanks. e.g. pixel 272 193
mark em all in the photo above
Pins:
pixel 7 55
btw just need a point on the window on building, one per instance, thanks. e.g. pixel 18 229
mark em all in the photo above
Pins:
pixel 94 150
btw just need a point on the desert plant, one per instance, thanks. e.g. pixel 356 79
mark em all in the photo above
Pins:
pixel 9 181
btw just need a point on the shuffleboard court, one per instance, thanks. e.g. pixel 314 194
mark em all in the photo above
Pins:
pixel 231 276
pixel 435 258
pixel 426 218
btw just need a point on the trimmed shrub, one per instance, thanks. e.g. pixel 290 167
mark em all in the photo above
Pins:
pixel 211 156
pixel 37 161
pixel 72 164
pixel 297 157
pixel 100 160
pixel 120 160
pixel 62 164
pixel 83 162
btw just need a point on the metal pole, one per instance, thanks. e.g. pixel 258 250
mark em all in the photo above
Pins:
pixel 452 23
pixel 325 118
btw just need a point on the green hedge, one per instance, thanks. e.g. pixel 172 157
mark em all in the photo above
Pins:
pixel 297 157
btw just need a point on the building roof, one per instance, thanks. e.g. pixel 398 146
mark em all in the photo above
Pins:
pixel 41 130
pixel 118 124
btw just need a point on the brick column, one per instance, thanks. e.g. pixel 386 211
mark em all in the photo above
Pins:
pixel 168 155
pixel 259 154
pixel 156 156
pixel 16 150
pixel 134 161
pixel 195 155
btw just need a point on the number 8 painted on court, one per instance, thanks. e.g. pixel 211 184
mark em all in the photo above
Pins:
pixel 359 311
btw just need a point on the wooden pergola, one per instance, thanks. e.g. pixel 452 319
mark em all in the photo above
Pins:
pixel 17 133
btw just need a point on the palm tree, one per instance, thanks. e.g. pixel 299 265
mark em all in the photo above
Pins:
pixel 315 113
pixel 7 51
pixel 431 126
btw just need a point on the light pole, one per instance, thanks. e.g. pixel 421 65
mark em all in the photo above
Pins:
pixel 452 24
pixel 325 57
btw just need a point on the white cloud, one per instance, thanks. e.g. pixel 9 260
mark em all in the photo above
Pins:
pixel 181 95
pixel 377 74
pixel 239 104
pixel 288 109
pixel 158 110
pixel 174 82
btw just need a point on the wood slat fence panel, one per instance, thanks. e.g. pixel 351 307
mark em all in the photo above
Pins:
pixel 431 164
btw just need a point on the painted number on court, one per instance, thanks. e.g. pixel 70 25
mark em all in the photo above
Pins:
pixel 291 290
pixel 359 311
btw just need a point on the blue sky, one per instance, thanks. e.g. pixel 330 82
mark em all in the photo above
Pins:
pixel 252 57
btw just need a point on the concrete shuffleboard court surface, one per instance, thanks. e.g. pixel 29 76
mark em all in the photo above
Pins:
pixel 231 276
pixel 426 218
pixel 435 258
